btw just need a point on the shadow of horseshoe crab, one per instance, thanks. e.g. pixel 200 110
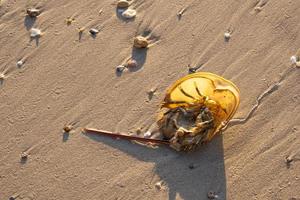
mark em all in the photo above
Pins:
pixel 188 175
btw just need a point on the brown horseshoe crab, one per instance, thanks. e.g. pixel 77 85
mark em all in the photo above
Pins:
pixel 195 108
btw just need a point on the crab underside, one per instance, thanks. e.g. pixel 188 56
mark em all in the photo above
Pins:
pixel 186 128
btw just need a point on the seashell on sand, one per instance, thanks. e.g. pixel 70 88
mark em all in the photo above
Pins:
pixel 94 31
pixel 159 185
pixel 34 32
pixel 20 63
pixel 33 12
pixel 129 13
pixel 140 42
pixel 123 4
pixel 227 35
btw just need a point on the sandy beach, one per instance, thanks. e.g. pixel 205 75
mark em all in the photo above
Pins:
pixel 67 75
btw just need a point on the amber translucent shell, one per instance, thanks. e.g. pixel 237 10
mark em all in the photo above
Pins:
pixel 204 88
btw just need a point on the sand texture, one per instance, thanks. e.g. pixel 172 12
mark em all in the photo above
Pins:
pixel 70 78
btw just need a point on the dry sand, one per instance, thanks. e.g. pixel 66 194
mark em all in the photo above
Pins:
pixel 70 80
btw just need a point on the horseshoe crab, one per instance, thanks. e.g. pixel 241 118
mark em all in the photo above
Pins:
pixel 195 108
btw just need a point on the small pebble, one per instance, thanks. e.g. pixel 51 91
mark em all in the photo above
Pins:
pixel 20 63
pixel 140 42
pixel 289 159
pixel 120 68
pixel 34 32
pixel 159 185
pixel 131 63
pixel 2 77
pixel 33 12
pixel 81 29
pixel 294 59
pixel 129 13
pixel 123 4
pixel 68 128
pixel 24 155
pixel 227 35
pixel 94 31
pixel 152 90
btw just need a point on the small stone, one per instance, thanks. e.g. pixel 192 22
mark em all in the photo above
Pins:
pixel 120 68
pixel 81 29
pixel 2 76
pixel 33 12
pixel 68 128
pixel 227 35
pixel 94 31
pixel 294 59
pixel 34 32
pixel 289 159
pixel 20 63
pixel 123 4
pixel 140 42
pixel 159 185
pixel 129 13
pixel 24 155
pixel 131 63
pixel 152 91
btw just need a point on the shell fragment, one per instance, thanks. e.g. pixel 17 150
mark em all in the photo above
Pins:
pixel 129 13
